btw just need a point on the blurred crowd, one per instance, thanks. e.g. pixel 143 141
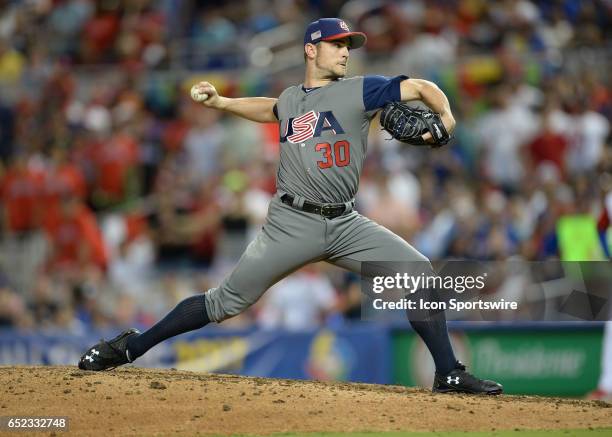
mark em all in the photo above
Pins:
pixel 120 196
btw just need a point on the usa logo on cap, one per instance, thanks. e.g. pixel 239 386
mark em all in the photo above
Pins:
pixel 332 29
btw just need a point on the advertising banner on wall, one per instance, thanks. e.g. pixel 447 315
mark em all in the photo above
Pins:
pixel 547 361
pixel 343 354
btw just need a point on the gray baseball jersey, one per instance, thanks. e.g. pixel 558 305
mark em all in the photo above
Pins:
pixel 323 146
pixel 324 135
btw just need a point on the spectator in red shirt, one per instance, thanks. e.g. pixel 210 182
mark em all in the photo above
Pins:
pixel 62 178
pixel 74 236
pixel 20 192
pixel 99 33
pixel 548 146
pixel 115 169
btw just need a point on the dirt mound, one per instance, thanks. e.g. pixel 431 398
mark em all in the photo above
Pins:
pixel 133 401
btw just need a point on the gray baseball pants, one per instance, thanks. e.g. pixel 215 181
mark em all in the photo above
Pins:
pixel 292 238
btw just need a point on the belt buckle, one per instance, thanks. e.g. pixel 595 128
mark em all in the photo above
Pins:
pixel 327 211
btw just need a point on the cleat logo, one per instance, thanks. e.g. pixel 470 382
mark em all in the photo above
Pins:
pixel 90 358
pixel 451 380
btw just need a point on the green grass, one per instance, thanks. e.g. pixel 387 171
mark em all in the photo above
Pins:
pixel 597 432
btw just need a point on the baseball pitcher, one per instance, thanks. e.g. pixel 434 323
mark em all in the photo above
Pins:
pixel 324 126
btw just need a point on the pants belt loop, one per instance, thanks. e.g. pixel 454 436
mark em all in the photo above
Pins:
pixel 295 201
pixel 298 202
pixel 348 206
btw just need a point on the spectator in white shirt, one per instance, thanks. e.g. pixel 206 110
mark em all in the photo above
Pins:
pixel 299 302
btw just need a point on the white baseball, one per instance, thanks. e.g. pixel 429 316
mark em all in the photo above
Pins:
pixel 196 95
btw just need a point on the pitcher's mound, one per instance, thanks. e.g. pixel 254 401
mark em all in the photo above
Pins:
pixel 133 401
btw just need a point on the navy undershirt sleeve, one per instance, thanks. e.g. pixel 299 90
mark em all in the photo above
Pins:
pixel 275 110
pixel 380 90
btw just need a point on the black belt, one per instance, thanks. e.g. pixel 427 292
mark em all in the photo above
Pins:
pixel 327 210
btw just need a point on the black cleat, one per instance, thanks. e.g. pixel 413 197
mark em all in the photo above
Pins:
pixel 108 354
pixel 460 381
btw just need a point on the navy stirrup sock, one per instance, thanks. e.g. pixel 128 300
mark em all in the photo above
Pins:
pixel 431 327
pixel 188 315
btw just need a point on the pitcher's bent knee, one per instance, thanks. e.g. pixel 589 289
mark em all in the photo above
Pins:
pixel 222 303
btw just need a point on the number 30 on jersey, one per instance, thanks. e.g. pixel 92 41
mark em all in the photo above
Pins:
pixel 339 154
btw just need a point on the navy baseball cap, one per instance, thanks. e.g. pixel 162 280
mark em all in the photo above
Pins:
pixel 331 29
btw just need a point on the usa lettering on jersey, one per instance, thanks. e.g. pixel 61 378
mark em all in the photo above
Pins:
pixel 310 125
